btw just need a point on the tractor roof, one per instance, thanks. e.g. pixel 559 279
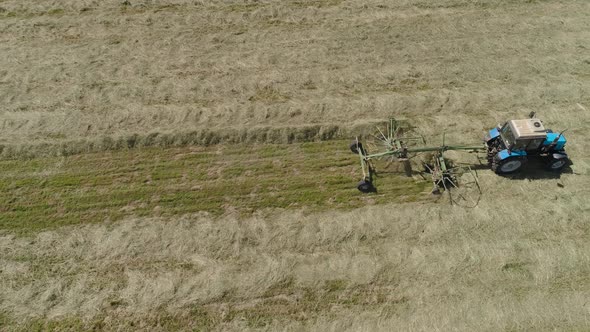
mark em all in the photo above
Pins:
pixel 528 128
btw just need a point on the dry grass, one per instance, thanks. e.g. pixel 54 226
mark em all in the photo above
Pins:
pixel 369 269
pixel 85 76
pixel 84 69
pixel 204 137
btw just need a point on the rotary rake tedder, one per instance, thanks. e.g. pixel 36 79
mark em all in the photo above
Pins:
pixel 508 147
pixel 401 143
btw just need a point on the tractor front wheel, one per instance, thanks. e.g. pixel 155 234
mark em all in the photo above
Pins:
pixel 508 165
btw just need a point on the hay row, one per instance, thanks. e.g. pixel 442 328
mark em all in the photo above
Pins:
pixel 205 137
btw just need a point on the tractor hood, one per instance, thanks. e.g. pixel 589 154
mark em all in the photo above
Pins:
pixel 560 141
pixel 493 133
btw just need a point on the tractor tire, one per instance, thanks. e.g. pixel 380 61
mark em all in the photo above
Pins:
pixel 355 147
pixel 556 165
pixel 508 165
pixel 366 187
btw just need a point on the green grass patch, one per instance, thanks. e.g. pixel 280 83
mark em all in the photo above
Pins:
pixel 44 193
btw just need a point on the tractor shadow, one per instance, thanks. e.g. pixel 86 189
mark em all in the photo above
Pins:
pixel 535 170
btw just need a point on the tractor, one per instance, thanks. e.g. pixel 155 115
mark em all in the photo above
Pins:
pixel 508 147
pixel 511 144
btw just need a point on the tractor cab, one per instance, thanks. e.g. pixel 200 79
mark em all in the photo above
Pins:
pixel 523 135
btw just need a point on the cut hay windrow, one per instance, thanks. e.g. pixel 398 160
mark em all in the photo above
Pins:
pixel 205 137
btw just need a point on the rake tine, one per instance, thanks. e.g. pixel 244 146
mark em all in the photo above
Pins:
pixel 447 190
pixel 391 160
pixel 378 138
pixel 384 138
pixel 453 183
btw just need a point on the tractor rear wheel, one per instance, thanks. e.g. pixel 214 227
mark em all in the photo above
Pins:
pixel 556 165
pixel 366 187
pixel 508 165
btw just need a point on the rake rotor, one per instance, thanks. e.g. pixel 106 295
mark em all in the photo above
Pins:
pixel 402 143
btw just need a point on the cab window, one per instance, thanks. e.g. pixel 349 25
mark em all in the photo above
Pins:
pixel 507 136
pixel 535 144
pixel 520 145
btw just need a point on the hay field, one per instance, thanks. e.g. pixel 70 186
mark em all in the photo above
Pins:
pixel 79 71
pixel 183 165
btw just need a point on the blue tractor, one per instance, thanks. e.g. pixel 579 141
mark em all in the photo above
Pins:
pixel 510 145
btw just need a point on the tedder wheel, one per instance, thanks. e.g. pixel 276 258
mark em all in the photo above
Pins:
pixel 508 165
pixel 356 146
pixel 366 187
pixel 556 165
